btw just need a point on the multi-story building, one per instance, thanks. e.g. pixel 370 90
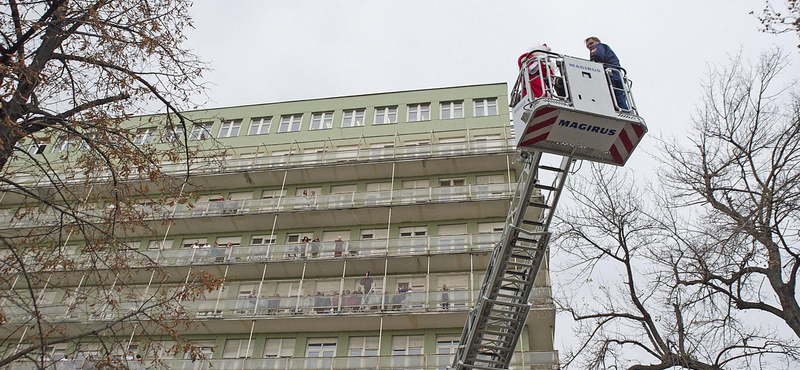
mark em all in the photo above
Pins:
pixel 354 233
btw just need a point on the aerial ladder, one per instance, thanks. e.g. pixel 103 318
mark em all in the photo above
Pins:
pixel 575 115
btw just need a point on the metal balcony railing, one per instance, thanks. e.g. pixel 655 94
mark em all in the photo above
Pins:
pixel 521 360
pixel 287 204
pixel 253 307
pixel 294 158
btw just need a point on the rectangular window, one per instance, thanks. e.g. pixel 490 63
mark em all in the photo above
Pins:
pixel 321 347
pixel 370 234
pixel 279 347
pixel 489 179
pixel 200 131
pixel 447 344
pixel 457 229
pixel 419 112
pixel 362 346
pixel 379 186
pixel 411 232
pixel 172 134
pixel 159 244
pixel 234 240
pixel 385 115
pixel 262 239
pixel 416 184
pixel 407 345
pixel 230 128
pixel 290 123
pixel 237 348
pixel 144 136
pixel 353 118
pixel 485 107
pixel 259 126
pixel 452 109
pixel 37 146
pixel 452 182
pixel 490 227
pixel 206 348
pixel 62 144
pixel 321 121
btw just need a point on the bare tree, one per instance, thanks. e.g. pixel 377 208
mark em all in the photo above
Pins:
pixel 782 20
pixel 73 73
pixel 624 293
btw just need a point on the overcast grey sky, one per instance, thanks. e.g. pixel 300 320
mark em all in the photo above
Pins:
pixel 268 51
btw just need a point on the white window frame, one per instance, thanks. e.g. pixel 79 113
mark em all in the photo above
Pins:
pixel 263 239
pixel 453 109
pixel 385 115
pixel 230 128
pixel 412 231
pixel 485 105
pixel 320 347
pixel 353 118
pixel 285 348
pixel 419 112
pixel 144 136
pixel 243 348
pixel 259 126
pixel 38 146
pixel 290 123
pixel 401 345
pixel 201 131
pixel 363 346
pixel 321 121
pixel 63 144
pixel 172 135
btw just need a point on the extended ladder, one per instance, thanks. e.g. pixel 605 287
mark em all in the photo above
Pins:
pixel 496 322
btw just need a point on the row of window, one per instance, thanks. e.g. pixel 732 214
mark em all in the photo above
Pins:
pixel 357 346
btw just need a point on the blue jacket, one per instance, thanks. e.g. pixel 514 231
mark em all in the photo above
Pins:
pixel 601 53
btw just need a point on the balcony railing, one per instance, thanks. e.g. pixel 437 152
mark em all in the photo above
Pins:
pixel 339 305
pixel 294 158
pixel 520 360
pixel 289 204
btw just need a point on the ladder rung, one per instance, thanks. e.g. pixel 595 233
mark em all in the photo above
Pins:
pixel 498 333
pixel 515 281
pixel 494 347
pixel 521 256
pixel 512 263
pixel 489 361
pixel 528 240
pixel 539 205
pixel 480 367
pixel 509 304
pixel 544 187
pixel 550 168
pixel 533 223
pixel 509 296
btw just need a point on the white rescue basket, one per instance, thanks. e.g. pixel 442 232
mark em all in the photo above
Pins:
pixel 578 114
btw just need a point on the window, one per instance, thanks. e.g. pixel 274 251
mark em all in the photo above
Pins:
pixel 370 234
pixel 159 245
pixel 457 229
pixel 279 347
pixel 416 184
pixel 489 179
pixel 206 348
pixel 290 123
pixel 490 227
pixel 200 131
pixel 353 118
pixel 453 109
pixel 385 115
pixel 259 126
pixel 407 345
pixel 230 128
pixel 234 240
pixel 451 182
pixel 63 144
pixel 189 242
pixel 321 347
pixel 270 194
pixel 144 136
pixel 321 121
pixel 447 344
pixel 485 107
pixel 37 146
pixel 172 134
pixel 56 351
pixel 362 346
pixel 237 348
pixel 298 237
pixel 419 112
pixel 262 239
pixel 379 186
pixel 410 232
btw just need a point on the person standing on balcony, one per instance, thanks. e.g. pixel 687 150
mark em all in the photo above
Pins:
pixel 338 247
pixel 445 297
pixel 602 53
pixel 366 282
pixel 315 247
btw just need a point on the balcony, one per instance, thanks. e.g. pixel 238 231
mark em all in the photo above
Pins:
pixel 259 158
pixel 520 360
pixel 328 202
pixel 351 305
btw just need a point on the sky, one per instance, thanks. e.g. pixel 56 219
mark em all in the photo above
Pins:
pixel 271 51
